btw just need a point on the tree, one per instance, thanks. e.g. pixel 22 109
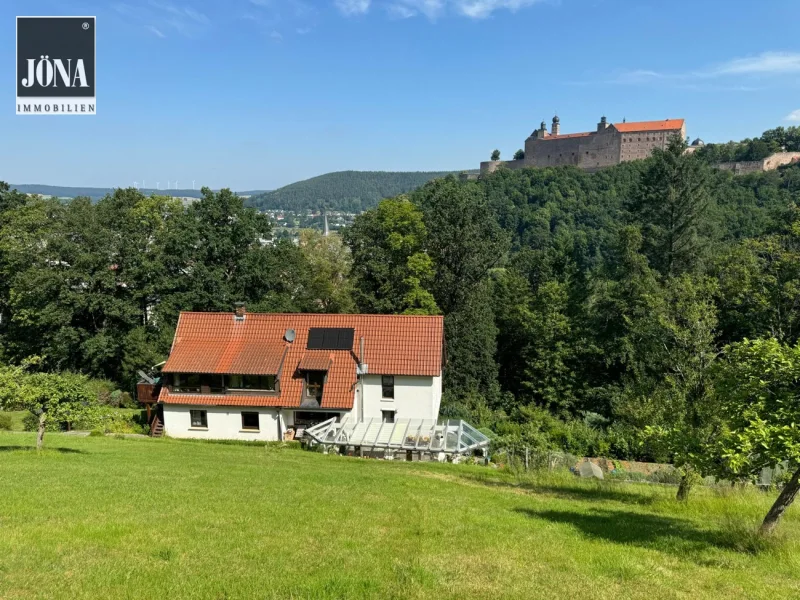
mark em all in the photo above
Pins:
pixel 464 240
pixel 671 399
pixel 760 286
pixel 464 243
pixel 673 205
pixel 535 346
pixel 50 396
pixel 495 155
pixel 518 155
pixel 329 265
pixel 758 394
pixel 392 271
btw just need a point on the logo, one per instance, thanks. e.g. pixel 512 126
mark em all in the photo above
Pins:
pixel 56 66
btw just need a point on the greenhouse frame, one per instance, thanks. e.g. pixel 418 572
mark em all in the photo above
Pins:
pixel 452 437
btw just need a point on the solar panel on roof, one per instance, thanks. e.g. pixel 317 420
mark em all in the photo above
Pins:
pixel 330 338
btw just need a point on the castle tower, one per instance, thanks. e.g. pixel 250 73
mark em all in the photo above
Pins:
pixel 603 124
pixel 556 125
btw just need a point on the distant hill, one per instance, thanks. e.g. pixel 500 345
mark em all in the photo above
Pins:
pixel 349 191
pixel 97 193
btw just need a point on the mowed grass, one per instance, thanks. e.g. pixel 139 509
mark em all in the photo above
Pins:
pixel 158 518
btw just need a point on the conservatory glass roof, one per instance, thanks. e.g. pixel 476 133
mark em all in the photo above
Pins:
pixel 450 437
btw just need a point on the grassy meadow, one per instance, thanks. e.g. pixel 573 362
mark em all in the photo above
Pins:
pixel 157 518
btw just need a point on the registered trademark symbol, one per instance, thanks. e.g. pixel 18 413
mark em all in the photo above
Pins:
pixel 85 26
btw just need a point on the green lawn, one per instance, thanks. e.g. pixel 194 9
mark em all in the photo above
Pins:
pixel 159 518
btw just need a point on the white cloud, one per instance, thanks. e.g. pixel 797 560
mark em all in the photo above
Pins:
pixel 793 116
pixel 480 9
pixel 472 9
pixel 160 18
pixel 353 7
pixel 155 31
pixel 303 30
pixel 433 9
pixel 764 64
pixel 276 36
pixel 401 11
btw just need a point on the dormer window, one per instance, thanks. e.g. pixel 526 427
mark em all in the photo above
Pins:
pixel 315 380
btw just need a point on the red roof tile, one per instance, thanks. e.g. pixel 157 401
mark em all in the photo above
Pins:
pixel 315 360
pixel 665 125
pixel 564 136
pixel 217 343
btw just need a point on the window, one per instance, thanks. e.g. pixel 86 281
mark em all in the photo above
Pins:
pixel 214 383
pixel 186 382
pixel 387 386
pixel 199 419
pixel 252 382
pixel 387 416
pixel 314 382
pixel 250 421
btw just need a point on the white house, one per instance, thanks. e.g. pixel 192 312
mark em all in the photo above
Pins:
pixel 256 376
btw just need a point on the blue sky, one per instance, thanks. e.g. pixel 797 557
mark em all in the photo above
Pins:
pixel 260 93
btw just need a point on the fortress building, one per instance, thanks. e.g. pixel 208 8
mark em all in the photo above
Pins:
pixel 611 144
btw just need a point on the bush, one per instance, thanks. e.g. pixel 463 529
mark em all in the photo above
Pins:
pixel 108 420
pixel 96 433
pixel 5 422
pixel 101 389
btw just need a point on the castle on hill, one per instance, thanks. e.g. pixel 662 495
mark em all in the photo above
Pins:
pixel 610 144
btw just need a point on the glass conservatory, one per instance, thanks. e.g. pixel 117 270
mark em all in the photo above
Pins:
pixel 420 435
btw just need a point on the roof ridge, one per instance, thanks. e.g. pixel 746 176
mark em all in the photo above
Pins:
pixel 290 314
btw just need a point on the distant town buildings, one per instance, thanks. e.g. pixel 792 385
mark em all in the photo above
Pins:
pixel 610 144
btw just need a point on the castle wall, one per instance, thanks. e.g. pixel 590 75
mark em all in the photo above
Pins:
pixel 552 152
pixel 770 163
pixel 490 166
pixel 779 159
pixel 600 150
pixel 638 145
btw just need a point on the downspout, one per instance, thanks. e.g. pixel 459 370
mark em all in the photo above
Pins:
pixel 361 380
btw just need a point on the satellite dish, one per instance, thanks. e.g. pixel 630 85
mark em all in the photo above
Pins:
pixel 289 335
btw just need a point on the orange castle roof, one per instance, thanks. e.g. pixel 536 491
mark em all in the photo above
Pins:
pixel 665 125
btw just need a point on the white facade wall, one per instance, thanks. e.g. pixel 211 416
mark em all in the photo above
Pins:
pixel 224 423
pixel 414 398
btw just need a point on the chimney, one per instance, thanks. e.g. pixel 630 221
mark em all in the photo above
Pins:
pixel 240 311
pixel 326 231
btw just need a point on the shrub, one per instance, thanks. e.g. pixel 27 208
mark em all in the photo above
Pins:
pixel 30 422
pixel 5 422
pixel 101 389
pixel 96 433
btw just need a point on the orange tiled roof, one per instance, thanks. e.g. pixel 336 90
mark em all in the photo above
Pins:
pixel 315 360
pixel 665 125
pixel 217 343
pixel 563 136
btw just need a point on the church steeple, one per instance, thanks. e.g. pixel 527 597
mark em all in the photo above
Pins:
pixel 556 126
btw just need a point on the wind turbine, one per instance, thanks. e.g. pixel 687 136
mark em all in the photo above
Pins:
pixel 176 184
pixel 158 188
pixel 136 185
pixel 192 184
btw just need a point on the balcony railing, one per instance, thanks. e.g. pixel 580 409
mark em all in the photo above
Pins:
pixel 204 389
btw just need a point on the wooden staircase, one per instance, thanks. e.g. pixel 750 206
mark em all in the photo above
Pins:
pixel 156 427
